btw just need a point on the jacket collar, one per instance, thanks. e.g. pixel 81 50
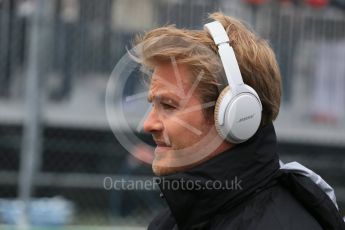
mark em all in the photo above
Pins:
pixel 241 171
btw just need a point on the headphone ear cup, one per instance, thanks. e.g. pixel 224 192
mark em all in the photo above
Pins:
pixel 237 117
pixel 217 111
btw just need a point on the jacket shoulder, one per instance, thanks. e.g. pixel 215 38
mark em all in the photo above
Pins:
pixel 273 208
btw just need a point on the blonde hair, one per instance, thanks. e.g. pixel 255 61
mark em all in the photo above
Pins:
pixel 196 49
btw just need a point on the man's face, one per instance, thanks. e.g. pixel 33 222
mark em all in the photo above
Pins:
pixel 176 120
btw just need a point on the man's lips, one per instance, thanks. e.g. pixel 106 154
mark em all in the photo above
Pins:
pixel 161 144
pixel 161 147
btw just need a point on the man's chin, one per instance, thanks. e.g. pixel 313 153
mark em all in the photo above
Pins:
pixel 159 170
pixel 160 164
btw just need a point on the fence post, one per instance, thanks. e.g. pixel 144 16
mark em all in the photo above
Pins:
pixel 31 147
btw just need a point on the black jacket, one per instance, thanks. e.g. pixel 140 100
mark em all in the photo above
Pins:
pixel 255 194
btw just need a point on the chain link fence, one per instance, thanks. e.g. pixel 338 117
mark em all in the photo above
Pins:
pixel 55 141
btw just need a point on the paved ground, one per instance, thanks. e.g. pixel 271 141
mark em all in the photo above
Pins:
pixel 8 227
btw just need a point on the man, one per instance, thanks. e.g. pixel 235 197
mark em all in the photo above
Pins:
pixel 210 179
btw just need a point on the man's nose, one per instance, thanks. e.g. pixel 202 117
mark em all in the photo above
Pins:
pixel 153 122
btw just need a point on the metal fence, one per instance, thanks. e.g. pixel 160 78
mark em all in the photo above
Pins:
pixel 56 57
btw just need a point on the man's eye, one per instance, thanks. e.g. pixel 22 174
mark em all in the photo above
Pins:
pixel 167 106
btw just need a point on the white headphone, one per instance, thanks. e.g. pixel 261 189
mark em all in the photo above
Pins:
pixel 237 112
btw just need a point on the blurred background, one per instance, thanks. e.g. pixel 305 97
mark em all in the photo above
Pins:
pixel 56 56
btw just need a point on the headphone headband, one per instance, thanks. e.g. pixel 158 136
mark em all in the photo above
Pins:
pixel 226 53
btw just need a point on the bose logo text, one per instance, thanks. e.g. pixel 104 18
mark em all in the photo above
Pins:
pixel 245 118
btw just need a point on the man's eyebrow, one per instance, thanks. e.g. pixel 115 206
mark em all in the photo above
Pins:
pixel 166 96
